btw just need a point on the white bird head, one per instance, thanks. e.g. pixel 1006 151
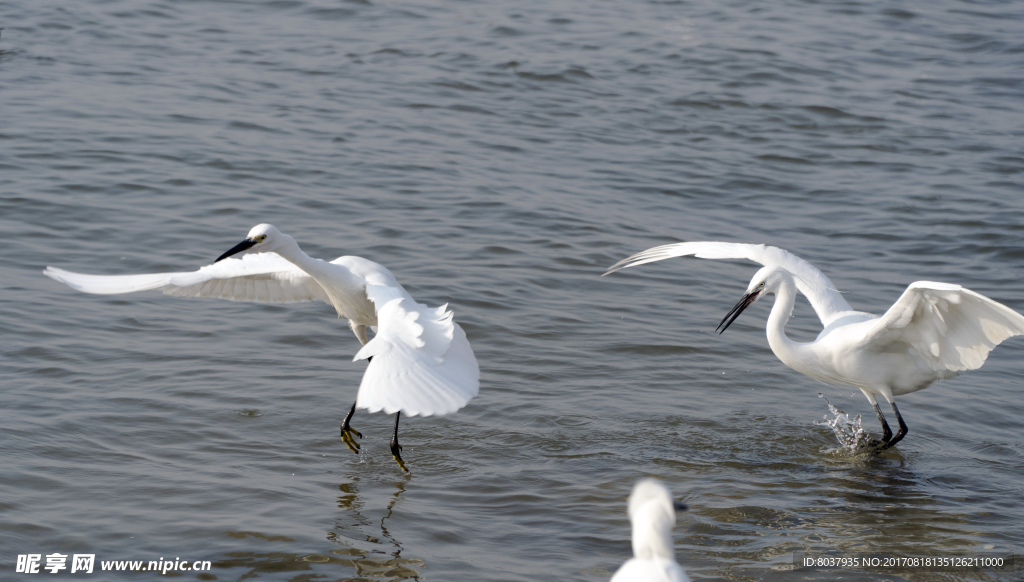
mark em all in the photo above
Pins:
pixel 766 280
pixel 652 514
pixel 262 237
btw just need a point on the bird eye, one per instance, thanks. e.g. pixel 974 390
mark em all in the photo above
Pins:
pixel 261 238
pixel 761 284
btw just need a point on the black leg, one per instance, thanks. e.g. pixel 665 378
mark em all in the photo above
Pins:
pixel 903 428
pixel 349 434
pixel 395 447
pixel 347 431
pixel 886 431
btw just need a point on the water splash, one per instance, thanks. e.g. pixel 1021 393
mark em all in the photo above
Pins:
pixel 851 436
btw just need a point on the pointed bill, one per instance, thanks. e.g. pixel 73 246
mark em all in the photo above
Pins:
pixel 245 244
pixel 737 309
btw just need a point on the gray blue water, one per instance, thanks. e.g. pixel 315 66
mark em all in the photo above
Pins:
pixel 499 156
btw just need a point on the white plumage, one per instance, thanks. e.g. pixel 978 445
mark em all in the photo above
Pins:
pixel 259 277
pixel 934 330
pixel 652 514
pixel 422 363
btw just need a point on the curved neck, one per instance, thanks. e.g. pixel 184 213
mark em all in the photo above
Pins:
pixel 289 249
pixel 331 278
pixel 652 535
pixel 785 349
pixel 321 271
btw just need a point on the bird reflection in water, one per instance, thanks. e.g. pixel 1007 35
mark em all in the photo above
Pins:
pixel 393 568
pixel 365 559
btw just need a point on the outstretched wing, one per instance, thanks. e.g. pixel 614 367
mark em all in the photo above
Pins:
pixel 952 328
pixel 422 362
pixel 827 302
pixel 258 277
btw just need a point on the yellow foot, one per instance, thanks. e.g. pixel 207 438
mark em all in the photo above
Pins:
pixel 879 446
pixel 395 447
pixel 348 436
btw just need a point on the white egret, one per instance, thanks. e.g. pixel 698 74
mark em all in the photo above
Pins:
pixel 933 332
pixel 652 513
pixel 420 361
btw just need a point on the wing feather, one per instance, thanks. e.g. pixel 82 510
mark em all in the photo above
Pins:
pixel 951 327
pixel 256 277
pixel 422 362
pixel 823 296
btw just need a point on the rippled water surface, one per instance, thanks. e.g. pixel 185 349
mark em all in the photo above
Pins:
pixel 499 156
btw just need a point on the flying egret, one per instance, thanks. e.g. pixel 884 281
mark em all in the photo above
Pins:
pixel 420 361
pixel 933 332
pixel 652 514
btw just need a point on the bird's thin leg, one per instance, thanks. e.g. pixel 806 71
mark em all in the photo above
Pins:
pixel 903 427
pixel 395 447
pixel 347 431
pixel 886 431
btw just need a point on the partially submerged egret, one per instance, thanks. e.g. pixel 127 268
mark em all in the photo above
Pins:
pixel 420 361
pixel 933 332
pixel 652 513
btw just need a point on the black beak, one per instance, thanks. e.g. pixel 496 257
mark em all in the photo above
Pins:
pixel 245 244
pixel 737 309
pixel 679 506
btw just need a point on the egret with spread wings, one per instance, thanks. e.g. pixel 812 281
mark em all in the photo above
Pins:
pixel 420 361
pixel 933 332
